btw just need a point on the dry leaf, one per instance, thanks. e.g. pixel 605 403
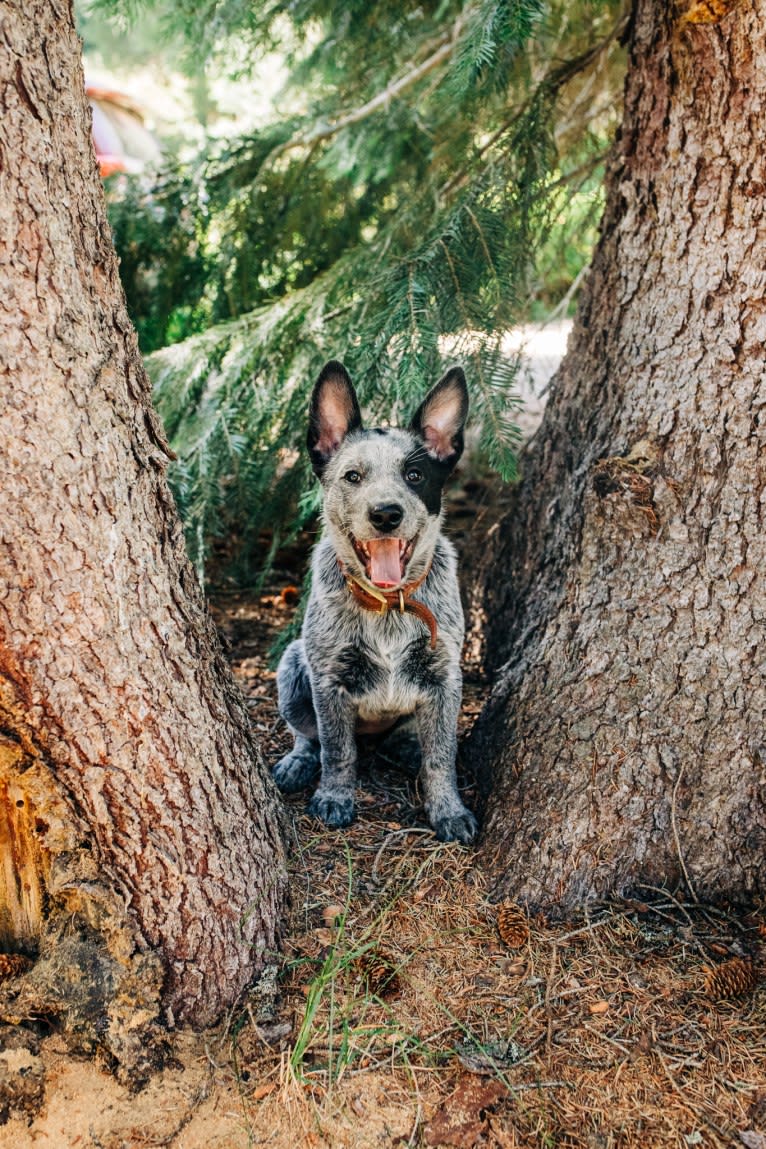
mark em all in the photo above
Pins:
pixel 636 906
pixel 598 1007
pixel 461 1121
pixel 262 1091
pixel 513 968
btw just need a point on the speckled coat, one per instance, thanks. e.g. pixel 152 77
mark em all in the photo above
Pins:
pixel 357 671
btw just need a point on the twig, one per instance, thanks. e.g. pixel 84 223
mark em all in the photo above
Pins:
pixel 548 1011
pixel 667 894
pixel 596 941
pixel 605 1037
pixel 445 46
pixel 562 305
pixel 388 839
pixel 688 880
pixel 584 930
pixel 419 1109
pixel 524 1085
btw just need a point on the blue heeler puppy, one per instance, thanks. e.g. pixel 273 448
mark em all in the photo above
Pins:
pixel 383 631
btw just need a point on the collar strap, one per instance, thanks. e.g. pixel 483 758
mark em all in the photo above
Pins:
pixel 382 601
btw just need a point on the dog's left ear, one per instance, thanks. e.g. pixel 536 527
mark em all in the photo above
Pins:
pixel 333 413
pixel 440 418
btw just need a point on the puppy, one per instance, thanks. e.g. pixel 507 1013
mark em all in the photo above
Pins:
pixel 383 631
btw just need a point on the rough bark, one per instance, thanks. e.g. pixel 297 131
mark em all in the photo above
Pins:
pixel 136 822
pixel 626 586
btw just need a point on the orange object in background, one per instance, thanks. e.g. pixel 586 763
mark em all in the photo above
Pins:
pixel 123 142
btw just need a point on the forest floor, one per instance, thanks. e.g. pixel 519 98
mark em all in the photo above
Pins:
pixel 397 1015
pixel 406 1010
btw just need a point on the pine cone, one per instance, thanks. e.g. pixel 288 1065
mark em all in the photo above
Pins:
pixel 512 925
pixel 378 971
pixel 731 979
pixel 13 965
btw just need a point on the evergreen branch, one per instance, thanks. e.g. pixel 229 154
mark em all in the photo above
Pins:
pixel 482 240
pixel 581 173
pixel 348 249
pixel 445 46
pixel 550 86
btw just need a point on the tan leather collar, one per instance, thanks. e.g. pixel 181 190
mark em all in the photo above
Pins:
pixel 382 601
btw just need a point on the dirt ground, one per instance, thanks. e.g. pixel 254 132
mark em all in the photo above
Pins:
pixel 399 1016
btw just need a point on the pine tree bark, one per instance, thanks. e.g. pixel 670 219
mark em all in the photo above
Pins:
pixel 138 831
pixel 626 730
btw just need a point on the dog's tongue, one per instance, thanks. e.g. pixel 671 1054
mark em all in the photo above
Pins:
pixel 385 568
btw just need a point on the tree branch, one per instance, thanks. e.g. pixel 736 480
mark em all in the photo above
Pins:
pixel 556 79
pixel 444 47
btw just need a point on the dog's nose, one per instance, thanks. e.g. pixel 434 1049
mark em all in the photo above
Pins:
pixel 386 516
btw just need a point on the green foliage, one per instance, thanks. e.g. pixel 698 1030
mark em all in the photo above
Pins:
pixel 395 223
pixel 163 264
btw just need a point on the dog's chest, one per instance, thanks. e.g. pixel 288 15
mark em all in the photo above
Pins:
pixel 386 669
pixel 393 690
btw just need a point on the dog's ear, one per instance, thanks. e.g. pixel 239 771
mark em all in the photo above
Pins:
pixel 333 413
pixel 440 418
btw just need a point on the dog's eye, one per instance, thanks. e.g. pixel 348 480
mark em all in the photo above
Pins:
pixel 413 475
pixel 352 477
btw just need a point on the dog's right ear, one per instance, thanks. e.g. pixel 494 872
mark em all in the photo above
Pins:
pixel 334 412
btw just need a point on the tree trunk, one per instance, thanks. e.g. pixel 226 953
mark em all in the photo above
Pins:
pixel 626 587
pixel 137 828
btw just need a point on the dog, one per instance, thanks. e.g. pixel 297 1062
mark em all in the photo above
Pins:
pixel 383 631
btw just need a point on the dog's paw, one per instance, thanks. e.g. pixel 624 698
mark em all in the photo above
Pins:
pixel 295 771
pixel 459 826
pixel 334 809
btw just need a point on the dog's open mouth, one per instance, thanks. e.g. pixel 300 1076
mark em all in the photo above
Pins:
pixel 384 560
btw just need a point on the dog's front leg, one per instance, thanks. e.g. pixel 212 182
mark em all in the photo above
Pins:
pixel 336 713
pixel 437 728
